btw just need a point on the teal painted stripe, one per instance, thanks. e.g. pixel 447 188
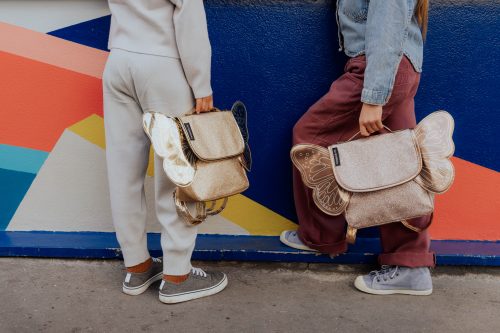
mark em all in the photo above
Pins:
pixel 21 159
pixel 13 188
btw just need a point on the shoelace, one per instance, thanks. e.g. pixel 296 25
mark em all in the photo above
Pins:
pixel 198 271
pixel 385 272
pixel 158 260
pixel 194 270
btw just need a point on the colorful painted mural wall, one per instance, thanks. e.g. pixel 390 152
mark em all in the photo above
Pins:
pixel 276 56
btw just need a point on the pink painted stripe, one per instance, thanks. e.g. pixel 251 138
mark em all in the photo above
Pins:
pixel 52 50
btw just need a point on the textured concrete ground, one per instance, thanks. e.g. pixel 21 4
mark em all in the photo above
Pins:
pixel 49 295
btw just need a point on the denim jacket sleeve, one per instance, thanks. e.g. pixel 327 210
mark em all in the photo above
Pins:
pixel 386 31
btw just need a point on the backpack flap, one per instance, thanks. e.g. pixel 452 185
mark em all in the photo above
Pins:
pixel 212 136
pixel 378 162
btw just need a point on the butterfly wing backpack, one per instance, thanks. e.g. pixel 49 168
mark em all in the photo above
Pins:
pixel 206 155
pixel 383 178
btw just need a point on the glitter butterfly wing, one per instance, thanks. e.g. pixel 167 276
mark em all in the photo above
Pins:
pixel 434 137
pixel 240 115
pixel 315 167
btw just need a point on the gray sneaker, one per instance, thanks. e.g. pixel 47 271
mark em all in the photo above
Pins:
pixel 198 284
pixel 137 283
pixel 396 280
pixel 291 238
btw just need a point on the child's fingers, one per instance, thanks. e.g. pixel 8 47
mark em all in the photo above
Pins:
pixel 371 128
pixel 363 130
pixel 205 105
pixel 198 105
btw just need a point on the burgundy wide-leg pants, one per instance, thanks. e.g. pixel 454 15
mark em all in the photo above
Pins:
pixel 334 118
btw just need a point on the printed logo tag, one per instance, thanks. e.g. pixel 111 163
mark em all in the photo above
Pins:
pixel 336 157
pixel 189 131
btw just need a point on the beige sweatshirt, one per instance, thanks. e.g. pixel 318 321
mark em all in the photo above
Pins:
pixel 171 28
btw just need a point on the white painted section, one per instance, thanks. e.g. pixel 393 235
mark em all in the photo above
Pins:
pixel 220 225
pixel 49 15
pixel 70 193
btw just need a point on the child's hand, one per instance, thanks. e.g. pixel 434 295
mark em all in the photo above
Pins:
pixel 370 119
pixel 204 104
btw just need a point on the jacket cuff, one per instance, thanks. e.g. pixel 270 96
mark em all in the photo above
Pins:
pixel 375 97
pixel 203 91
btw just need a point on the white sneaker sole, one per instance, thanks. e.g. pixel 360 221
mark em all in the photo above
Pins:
pixel 360 284
pixel 184 297
pixel 295 246
pixel 143 287
pixel 167 144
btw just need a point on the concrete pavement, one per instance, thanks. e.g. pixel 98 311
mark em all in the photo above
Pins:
pixel 50 295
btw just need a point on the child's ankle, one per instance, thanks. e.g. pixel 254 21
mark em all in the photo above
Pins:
pixel 175 278
pixel 141 268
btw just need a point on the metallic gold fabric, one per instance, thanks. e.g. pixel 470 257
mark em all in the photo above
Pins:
pixel 351 234
pixel 377 162
pixel 315 168
pixel 215 180
pixel 434 136
pixel 397 203
pixel 213 135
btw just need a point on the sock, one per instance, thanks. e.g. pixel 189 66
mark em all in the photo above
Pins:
pixel 141 268
pixel 175 278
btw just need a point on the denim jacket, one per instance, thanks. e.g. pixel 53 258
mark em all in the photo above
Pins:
pixel 383 30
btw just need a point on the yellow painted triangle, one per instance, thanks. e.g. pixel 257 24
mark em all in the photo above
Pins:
pixel 151 165
pixel 256 218
pixel 92 129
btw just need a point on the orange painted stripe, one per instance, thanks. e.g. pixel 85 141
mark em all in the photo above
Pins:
pixel 471 208
pixel 39 101
pixel 52 50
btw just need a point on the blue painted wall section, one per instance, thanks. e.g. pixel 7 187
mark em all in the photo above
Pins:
pixel 104 245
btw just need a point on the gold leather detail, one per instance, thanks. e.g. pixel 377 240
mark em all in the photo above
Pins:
pixel 315 167
pixel 434 136
pixel 201 209
pixel 350 235
pixel 409 226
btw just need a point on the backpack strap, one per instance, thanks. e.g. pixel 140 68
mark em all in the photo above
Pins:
pixel 417 229
pixel 201 210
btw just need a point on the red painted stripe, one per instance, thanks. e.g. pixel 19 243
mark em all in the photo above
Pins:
pixel 471 208
pixel 39 101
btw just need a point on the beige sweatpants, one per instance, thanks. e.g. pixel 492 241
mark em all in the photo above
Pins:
pixel 134 83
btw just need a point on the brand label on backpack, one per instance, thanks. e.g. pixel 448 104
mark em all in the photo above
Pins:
pixel 189 131
pixel 336 157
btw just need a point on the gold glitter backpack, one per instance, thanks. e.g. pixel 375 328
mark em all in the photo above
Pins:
pixel 381 179
pixel 206 155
